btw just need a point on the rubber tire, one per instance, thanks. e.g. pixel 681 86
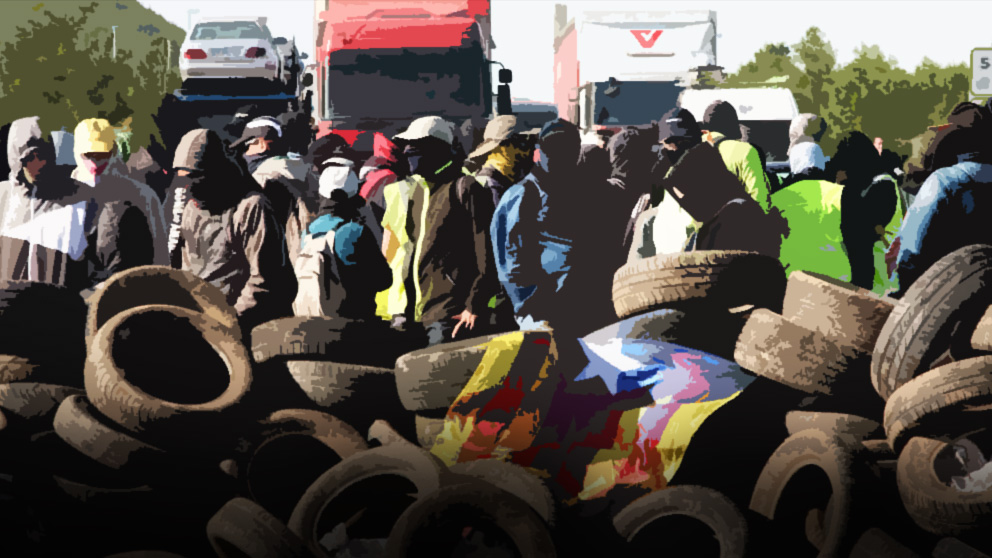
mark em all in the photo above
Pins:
pixel 32 402
pixel 981 339
pixel 515 518
pixel 514 479
pixel 939 311
pixel 428 429
pixel 28 312
pixel 158 285
pixel 849 316
pixel 727 279
pixel 949 547
pixel 941 403
pixel 831 423
pixel 76 424
pixel 703 504
pixel 330 383
pixel 17 369
pixel 773 347
pixel 246 528
pixel 411 463
pixel 126 404
pixel 431 379
pixel 937 507
pixel 836 456
pixel 322 338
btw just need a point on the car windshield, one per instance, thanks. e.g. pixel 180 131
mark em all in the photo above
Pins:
pixel 406 84
pixel 633 103
pixel 227 30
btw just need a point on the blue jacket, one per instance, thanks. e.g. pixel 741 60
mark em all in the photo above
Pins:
pixel 952 210
pixel 531 260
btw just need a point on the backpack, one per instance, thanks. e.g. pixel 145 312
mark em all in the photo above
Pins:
pixel 319 290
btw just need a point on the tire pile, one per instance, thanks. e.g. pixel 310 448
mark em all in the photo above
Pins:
pixel 149 424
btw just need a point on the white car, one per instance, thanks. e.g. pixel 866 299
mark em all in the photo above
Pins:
pixel 224 48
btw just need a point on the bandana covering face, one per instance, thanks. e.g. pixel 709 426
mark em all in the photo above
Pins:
pixel 506 159
pixel 94 168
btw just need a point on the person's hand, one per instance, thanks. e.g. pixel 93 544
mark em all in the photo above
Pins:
pixel 892 256
pixel 466 318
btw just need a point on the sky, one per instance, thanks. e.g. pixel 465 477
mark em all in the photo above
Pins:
pixel 523 29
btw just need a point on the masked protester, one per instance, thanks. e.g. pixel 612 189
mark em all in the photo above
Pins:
pixel 99 166
pixel 535 226
pixel 506 153
pixel 150 166
pixel 57 230
pixel 338 173
pixel 385 166
pixel 729 218
pixel 341 266
pixel 434 236
pixel 283 179
pixel 723 131
pixel 229 235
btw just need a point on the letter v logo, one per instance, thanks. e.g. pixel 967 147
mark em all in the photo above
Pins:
pixel 647 38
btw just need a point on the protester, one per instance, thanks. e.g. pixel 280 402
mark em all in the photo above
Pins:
pixel 594 162
pixel 631 161
pixel 533 233
pixel 341 267
pixel 283 179
pixel 229 234
pixel 385 166
pixel 57 230
pixel 150 165
pixel 949 211
pixel 723 131
pixel 867 205
pixel 435 238
pixel 806 162
pixel 98 165
pixel 805 128
pixel 338 173
pixel 506 155
pixel 729 218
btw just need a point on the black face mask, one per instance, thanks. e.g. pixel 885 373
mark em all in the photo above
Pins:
pixel 254 161
pixel 425 162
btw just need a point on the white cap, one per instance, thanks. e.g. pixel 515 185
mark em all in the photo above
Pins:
pixel 338 176
pixel 266 122
pixel 429 127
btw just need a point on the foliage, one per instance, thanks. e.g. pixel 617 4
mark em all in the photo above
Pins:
pixel 871 93
pixel 60 65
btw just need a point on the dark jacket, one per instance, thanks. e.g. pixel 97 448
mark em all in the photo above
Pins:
pixel 231 237
pixel 456 268
pixel 61 231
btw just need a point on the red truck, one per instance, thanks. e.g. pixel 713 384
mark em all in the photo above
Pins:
pixel 380 65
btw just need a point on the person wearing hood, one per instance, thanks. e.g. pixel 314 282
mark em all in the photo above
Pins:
pixel 632 161
pixel 435 238
pixel 338 173
pixel 341 267
pixel 150 165
pixel 535 228
pixel 949 211
pixel 506 154
pixel 805 128
pixel 723 131
pixel 658 224
pixel 229 235
pixel 283 179
pixel 98 165
pixel 728 217
pixel 57 230
pixel 383 168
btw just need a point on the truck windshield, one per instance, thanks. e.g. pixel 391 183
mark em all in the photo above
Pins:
pixel 391 84
pixel 633 103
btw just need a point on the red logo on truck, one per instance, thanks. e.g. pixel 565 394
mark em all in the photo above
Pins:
pixel 647 38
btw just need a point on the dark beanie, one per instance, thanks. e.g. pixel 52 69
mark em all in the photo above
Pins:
pixel 721 117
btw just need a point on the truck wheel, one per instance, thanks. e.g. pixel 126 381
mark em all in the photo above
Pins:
pixel 850 316
pixel 243 529
pixel 928 495
pixel 704 505
pixel 725 279
pixel 946 403
pixel 935 320
pixel 778 349
pixel 135 377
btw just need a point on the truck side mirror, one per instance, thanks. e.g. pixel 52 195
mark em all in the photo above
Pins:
pixel 505 76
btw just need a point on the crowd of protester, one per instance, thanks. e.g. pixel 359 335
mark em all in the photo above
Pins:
pixel 525 230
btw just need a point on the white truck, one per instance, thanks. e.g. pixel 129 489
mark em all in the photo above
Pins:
pixel 626 68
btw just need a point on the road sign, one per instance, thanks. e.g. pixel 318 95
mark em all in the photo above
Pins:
pixel 981 71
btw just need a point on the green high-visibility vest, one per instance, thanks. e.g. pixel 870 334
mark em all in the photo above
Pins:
pixel 814 242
